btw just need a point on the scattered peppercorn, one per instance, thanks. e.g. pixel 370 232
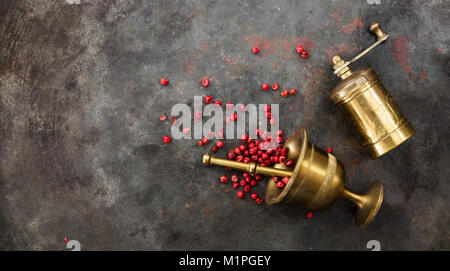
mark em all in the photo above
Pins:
pixel 219 144
pixel 167 139
pixel 205 140
pixel 164 81
pixel 208 99
pixel 280 184
pixel 205 82
pixel 223 179
pixel 240 194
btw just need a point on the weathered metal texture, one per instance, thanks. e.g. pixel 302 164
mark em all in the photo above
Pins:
pixel 81 140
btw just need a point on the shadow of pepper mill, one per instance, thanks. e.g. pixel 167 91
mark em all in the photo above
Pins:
pixel 316 181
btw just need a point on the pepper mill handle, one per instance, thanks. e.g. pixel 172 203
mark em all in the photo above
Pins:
pixel 341 67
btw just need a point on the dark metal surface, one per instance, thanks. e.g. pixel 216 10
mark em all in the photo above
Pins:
pixel 81 141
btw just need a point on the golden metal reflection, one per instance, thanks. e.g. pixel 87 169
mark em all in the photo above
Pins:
pixel 365 102
pixel 316 181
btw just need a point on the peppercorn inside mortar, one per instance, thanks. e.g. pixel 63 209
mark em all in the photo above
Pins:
pixel 266 150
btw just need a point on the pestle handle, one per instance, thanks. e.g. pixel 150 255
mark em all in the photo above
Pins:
pixel 251 168
pixel 375 28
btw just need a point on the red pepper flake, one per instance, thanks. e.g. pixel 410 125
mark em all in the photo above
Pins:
pixel 243 107
pixel 164 81
pixel 200 143
pixel 186 130
pixel 292 92
pixel 259 201
pixel 254 196
pixel 309 215
pixel 242 89
pixel 275 86
pixel 218 103
pixel 329 150
pixel 229 106
pixel 304 54
pixel 235 185
pixel 255 50
pixel 265 87
pixel 162 117
pixel 300 49
pixel 205 82
pixel 214 150
pixel 284 93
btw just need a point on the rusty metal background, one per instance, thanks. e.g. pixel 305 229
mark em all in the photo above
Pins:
pixel 81 149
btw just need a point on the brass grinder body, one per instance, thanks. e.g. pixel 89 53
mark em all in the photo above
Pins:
pixel 374 116
pixel 364 100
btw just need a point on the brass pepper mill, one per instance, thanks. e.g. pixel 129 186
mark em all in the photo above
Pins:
pixel 316 181
pixel 367 105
